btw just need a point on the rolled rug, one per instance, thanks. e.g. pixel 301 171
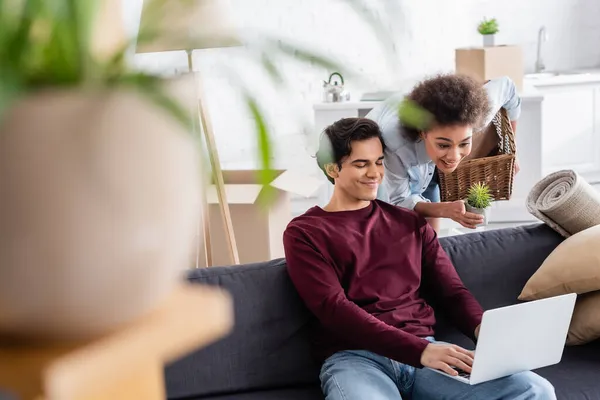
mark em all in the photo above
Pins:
pixel 565 202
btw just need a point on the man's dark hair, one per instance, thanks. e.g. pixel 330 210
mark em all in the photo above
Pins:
pixel 451 100
pixel 335 143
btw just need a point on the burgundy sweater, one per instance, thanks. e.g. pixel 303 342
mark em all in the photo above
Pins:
pixel 365 275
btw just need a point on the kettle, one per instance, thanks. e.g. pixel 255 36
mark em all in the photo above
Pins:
pixel 334 92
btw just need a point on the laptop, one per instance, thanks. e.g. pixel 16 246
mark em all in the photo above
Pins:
pixel 520 337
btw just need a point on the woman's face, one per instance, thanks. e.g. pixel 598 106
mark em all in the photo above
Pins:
pixel 448 145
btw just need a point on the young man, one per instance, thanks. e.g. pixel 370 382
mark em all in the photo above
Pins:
pixel 461 109
pixel 364 268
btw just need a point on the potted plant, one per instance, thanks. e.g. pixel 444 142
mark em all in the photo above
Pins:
pixel 479 201
pixel 99 171
pixel 488 28
pixel 100 177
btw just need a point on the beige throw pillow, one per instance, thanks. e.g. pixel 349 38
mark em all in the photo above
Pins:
pixel 585 324
pixel 573 267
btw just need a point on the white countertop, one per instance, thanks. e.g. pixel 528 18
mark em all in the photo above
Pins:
pixel 529 94
pixel 579 76
pixel 346 105
pixel 568 77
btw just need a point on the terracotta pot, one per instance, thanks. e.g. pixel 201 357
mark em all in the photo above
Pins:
pixel 98 212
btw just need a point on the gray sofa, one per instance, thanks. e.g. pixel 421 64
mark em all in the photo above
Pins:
pixel 267 355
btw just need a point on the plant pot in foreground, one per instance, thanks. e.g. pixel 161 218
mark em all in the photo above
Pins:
pixel 100 203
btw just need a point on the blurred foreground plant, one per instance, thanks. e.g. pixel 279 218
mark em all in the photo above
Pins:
pixel 47 44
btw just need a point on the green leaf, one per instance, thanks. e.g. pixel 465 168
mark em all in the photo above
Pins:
pixel 363 10
pixel 81 18
pixel 15 44
pixel 10 90
pixel 305 55
pixel 264 144
pixel 414 116
pixel 152 88
pixel 271 68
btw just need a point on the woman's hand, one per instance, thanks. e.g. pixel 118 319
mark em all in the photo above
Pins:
pixel 456 211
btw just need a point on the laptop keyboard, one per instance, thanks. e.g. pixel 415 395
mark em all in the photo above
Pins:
pixel 462 373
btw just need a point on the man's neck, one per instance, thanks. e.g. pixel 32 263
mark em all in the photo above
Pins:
pixel 342 203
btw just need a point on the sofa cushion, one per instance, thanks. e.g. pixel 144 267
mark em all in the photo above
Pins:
pixel 585 324
pixel 573 267
pixel 268 347
pixel 574 378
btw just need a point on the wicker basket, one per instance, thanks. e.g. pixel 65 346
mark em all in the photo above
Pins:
pixel 496 170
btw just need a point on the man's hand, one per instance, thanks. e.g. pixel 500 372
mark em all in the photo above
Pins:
pixel 456 210
pixel 445 356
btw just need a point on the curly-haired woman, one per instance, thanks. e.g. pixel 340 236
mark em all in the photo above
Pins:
pixel 458 107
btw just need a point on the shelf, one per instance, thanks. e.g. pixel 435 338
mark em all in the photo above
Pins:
pixel 127 363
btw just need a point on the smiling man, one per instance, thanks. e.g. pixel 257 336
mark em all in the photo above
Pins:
pixel 459 107
pixel 368 271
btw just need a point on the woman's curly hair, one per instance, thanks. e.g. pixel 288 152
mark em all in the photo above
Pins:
pixel 451 100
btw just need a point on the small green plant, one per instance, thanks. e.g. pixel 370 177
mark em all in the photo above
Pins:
pixel 479 196
pixel 488 26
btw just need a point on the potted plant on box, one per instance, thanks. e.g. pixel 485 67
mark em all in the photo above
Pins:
pixel 488 28
pixel 479 201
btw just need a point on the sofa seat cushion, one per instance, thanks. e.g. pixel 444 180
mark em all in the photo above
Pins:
pixel 268 347
pixel 574 378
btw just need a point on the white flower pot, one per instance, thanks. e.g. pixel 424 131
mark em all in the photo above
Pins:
pixel 489 40
pixel 486 212
pixel 99 210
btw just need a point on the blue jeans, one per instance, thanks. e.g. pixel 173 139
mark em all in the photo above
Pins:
pixel 360 374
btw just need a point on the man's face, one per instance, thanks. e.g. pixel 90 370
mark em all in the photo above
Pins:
pixel 448 145
pixel 362 171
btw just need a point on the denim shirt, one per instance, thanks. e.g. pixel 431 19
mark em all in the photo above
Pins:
pixel 408 168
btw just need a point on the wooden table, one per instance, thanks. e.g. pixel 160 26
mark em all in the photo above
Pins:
pixel 127 364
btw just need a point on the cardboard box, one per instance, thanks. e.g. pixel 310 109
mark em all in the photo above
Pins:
pixel 258 229
pixel 484 63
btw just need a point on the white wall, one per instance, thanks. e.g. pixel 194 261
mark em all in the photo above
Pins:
pixel 425 34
